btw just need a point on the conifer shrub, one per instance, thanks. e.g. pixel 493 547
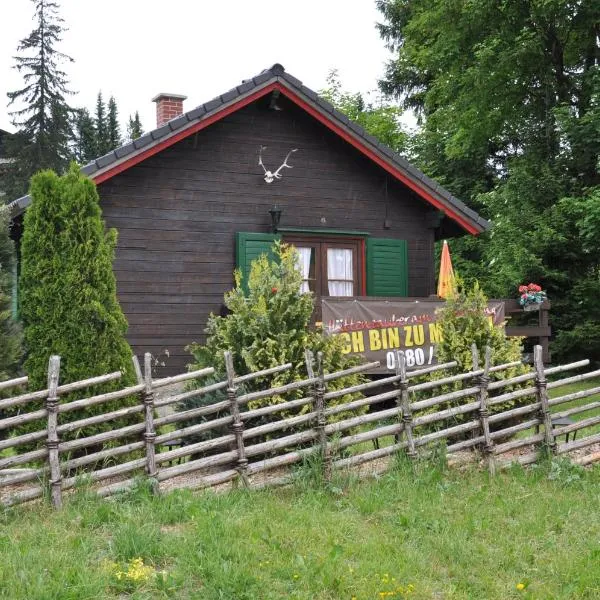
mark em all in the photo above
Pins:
pixel 10 334
pixel 463 322
pixel 68 295
pixel 268 325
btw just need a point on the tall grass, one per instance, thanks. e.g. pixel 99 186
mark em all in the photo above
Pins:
pixel 419 531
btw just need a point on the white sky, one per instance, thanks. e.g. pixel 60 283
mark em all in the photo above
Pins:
pixel 134 49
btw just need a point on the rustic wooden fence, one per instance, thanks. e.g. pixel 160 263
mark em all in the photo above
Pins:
pixel 247 442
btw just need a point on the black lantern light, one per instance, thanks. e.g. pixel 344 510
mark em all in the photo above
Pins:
pixel 275 212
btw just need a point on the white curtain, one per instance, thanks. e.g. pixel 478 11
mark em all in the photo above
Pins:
pixel 303 266
pixel 339 267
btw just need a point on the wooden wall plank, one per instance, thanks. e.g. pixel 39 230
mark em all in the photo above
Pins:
pixel 177 214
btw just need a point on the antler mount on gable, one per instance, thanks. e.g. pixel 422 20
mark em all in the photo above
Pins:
pixel 269 177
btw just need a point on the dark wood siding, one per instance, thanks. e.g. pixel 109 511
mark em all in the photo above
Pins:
pixel 178 211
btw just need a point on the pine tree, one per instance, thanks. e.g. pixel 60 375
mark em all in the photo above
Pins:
pixel 85 146
pixel 69 304
pixel 134 127
pixel 44 122
pixel 10 339
pixel 101 123
pixel 114 130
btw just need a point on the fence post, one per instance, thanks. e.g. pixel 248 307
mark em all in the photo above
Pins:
pixel 319 408
pixel 149 433
pixel 403 404
pixel 542 397
pixel 482 383
pixel 237 426
pixel 52 441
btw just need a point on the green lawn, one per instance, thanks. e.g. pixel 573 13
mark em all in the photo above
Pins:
pixel 410 534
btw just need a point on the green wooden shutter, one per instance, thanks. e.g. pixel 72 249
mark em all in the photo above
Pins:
pixel 387 267
pixel 249 247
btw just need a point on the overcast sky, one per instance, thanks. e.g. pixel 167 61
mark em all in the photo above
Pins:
pixel 134 49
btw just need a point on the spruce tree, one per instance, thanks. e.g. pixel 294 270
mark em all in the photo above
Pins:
pixel 134 127
pixel 101 124
pixel 44 122
pixel 10 339
pixel 114 131
pixel 69 304
pixel 85 137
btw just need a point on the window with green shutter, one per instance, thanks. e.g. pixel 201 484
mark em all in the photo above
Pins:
pixel 387 267
pixel 249 247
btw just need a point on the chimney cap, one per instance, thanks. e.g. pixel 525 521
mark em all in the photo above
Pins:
pixel 164 95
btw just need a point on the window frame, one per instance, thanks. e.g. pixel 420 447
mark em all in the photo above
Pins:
pixel 321 243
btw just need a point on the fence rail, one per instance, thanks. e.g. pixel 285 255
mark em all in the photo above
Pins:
pixel 248 434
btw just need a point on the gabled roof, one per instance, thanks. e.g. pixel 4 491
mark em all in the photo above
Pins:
pixel 276 78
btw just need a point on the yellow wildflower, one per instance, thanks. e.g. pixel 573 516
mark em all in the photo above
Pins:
pixel 520 586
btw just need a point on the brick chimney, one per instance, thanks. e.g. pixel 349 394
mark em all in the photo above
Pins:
pixel 168 106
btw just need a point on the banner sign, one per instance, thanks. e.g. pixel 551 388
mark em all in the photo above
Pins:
pixel 375 329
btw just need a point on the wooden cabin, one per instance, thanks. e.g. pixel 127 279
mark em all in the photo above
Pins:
pixel 191 202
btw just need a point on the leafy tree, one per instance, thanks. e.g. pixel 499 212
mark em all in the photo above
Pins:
pixel 269 326
pixel 134 127
pixel 101 123
pixel 114 130
pixel 380 119
pixel 10 335
pixel 44 122
pixel 68 290
pixel 509 97
pixel 86 144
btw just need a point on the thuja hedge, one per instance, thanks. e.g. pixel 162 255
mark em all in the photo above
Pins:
pixel 68 294
pixel 268 324
pixel 10 337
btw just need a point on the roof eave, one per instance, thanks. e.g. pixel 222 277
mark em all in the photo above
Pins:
pixel 192 121
pixel 450 205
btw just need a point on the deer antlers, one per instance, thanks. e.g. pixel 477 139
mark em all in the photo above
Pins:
pixel 270 177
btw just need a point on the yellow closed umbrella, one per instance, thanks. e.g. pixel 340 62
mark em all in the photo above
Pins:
pixel 446 280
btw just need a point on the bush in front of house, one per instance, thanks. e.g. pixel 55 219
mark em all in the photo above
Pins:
pixel 10 335
pixel 464 321
pixel 269 325
pixel 68 300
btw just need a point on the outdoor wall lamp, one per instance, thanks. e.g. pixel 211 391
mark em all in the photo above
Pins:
pixel 275 212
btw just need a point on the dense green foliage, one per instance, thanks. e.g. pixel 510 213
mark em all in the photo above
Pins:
pixel 509 98
pixel 101 127
pixel 44 121
pixel 269 325
pixel 463 322
pixel 134 127
pixel 67 286
pixel 114 129
pixel 85 137
pixel 98 134
pixel 106 127
pixel 381 119
pixel 418 533
pixel 10 336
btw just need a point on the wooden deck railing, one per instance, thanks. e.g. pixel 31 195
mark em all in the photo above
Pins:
pixel 540 332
